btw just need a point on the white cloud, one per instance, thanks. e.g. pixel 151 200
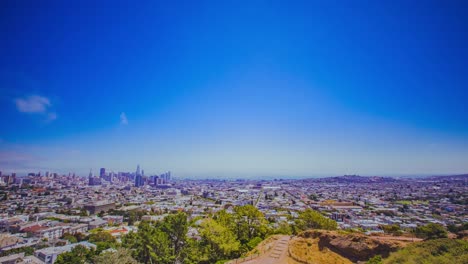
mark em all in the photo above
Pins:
pixel 123 119
pixel 33 104
pixel 36 104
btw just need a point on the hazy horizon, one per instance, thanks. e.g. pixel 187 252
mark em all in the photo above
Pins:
pixel 217 88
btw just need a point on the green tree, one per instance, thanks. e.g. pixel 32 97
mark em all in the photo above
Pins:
pixel 225 219
pixel 249 223
pixel 254 242
pixel 101 236
pixel 391 229
pixel 309 219
pixel 72 239
pixel 78 255
pixel 120 256
pixel 103 240
pixel 176 227
pixel 219 242
pixel 375 260
pixel 283 228
pixel 431 231
pixel 150 244
pixel 83 212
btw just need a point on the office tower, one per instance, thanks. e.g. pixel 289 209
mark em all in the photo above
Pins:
pixel 102 172
pixel 138 180
pixel 138 177
pixel 138 170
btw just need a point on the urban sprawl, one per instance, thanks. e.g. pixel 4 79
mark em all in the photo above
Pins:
pixel 37 210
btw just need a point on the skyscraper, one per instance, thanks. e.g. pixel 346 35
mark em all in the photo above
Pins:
pixel 102 172
pixel 138 177
pixel 138 180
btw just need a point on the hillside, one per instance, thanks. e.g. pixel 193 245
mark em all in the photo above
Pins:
pixel 439 251
pixel 352 246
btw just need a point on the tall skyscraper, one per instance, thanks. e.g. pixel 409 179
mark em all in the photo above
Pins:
pixel 138 177
pixel 102 172
pixel 138 180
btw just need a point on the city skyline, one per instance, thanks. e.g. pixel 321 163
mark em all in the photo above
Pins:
pixel 213 89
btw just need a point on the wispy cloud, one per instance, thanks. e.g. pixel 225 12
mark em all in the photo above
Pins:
pixel 16 160
pixel 33 104
pixel 51 116
pixel 36 104
pixel 123 119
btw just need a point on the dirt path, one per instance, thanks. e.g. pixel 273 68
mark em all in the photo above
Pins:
pixel 278 254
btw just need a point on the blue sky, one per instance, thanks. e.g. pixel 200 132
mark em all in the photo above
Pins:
pixel 234 88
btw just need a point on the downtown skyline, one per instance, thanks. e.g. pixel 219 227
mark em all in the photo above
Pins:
pixel 212 89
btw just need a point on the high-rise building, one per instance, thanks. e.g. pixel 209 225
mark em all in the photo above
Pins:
pixel 138 180
pixel 138 177
pixel 102 172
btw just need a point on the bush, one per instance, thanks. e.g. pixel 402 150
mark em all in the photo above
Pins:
pixel 431 231
pixel 254 242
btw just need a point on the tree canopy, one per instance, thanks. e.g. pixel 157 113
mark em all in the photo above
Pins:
pixel 309 219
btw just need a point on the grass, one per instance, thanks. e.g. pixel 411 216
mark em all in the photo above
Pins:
pixel 439 251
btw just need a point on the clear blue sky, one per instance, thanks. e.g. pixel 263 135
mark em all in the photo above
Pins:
pixel 235 88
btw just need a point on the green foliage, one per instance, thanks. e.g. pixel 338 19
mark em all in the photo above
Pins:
pixel 283 228
pixel 218 241
pixel 133 216
pixel 254 242
pixel 26 250
pixel 159 242
pixel 249 222
pixel 375 260
pixel 72 239
pixel 176 227
pixel 103 240
pixel 392 229
pixel 101 236
pixel 225 236
pixel 120 256
pixel 309 219
pixel 458 228
pixel 438 251
pixel 431 231
pixel 83 212
pixel 79 254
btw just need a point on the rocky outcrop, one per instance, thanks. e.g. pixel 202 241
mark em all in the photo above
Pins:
pixel 353 246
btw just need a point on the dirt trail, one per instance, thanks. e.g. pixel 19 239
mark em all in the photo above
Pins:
pixel 278 254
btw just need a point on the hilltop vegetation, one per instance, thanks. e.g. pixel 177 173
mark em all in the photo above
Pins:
pixel 438 251
pixel 228 235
